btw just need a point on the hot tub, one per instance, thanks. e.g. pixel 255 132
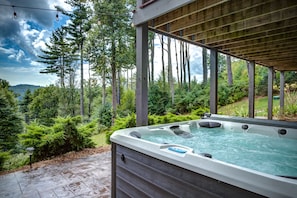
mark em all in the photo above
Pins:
pixel 143 167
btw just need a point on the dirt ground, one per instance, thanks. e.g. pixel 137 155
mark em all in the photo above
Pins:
pixel 62 158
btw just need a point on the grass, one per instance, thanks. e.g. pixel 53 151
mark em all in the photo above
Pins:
pixel 99 139
pixel 241 108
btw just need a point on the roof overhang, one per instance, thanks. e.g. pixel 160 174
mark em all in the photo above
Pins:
pixel 264 31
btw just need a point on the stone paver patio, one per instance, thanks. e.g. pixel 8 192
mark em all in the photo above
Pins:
pixel 86 177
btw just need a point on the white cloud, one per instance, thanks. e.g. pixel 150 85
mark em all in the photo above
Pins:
pixel 20 55
pixel 7 51
pixel 17 55
pixel 39 42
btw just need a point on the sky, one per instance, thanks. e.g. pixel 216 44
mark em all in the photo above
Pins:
pixel 22 38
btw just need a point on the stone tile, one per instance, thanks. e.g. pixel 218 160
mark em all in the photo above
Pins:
pixel 47 194
pixel 87 177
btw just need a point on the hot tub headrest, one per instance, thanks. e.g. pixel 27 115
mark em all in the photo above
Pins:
pixel 135 134
pixel 177 131
pixel 209 124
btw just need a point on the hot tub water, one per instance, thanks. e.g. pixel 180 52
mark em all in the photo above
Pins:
pixel 267 154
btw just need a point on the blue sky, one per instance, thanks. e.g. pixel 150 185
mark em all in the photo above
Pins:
pixel 21 39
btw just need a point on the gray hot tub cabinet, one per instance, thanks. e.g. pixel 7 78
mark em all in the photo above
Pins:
pixel 138 175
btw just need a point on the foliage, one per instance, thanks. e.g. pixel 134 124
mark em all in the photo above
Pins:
pixel 105 115
pixel 10 121
pixel 3 157
pixel 15 161
pixel 62 137
pixel 158 99
pixel 90 128
pixel 44 106
pixel 58 56
pixel 24 105
pixel 127 103
pixel 187 101
pixel 290 103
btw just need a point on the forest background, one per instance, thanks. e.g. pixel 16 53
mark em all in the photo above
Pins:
pixel 63 117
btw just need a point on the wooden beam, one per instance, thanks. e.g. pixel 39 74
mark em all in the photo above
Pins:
pixel 155 9
pixel 263 40
pixel 236 17
pixel 270 93
pixel 141 75
pixel 271 29
pixel 213 81
pixel 251 95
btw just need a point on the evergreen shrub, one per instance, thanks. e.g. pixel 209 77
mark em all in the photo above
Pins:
pixel 64 136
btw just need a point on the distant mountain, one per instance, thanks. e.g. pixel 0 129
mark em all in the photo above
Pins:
pixel 21 89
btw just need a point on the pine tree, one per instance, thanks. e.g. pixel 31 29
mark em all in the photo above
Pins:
pixel 10 121
pixel 77 28
pixel 57 56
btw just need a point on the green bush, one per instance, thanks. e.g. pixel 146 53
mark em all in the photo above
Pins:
pixel 16 161
pixel 62 137
pixel 290 103
pixel 158 100
pixel 105 115
pixel 3 157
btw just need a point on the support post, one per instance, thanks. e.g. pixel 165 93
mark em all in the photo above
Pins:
pixel 141 75
pixel 282 93
pixel 213 81
pixel 270 92
pixel 113 170
pixel 251 66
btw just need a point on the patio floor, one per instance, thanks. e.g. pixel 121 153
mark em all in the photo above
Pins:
pixel 86 177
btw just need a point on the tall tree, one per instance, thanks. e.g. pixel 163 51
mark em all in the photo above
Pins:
pixel 229 70
pixel 24 105
pixel 176 58
pixel 188 64
pixel 170 75
pixel 45 104
pixel 161 37
pixel 204 65
pixel 115 25
pixel 57 56
pixel 152 56
pixel 10 121
pixel 77 28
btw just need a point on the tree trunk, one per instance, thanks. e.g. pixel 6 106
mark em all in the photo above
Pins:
pixel 170 76
pixel 152 58
pixel 188 63
pixel 163 64
pixel 181 62
pixel 114 80
pixel 184 63
pixel 119 88
pixel 176 57
pixel 204 64
pixel 82 108
pixel 90 94
pixel 229 70
pixel 103 87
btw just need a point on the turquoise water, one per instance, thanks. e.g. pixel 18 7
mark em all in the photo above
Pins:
pixel 272 155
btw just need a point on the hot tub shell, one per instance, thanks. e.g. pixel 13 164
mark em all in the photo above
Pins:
pixel 145 169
